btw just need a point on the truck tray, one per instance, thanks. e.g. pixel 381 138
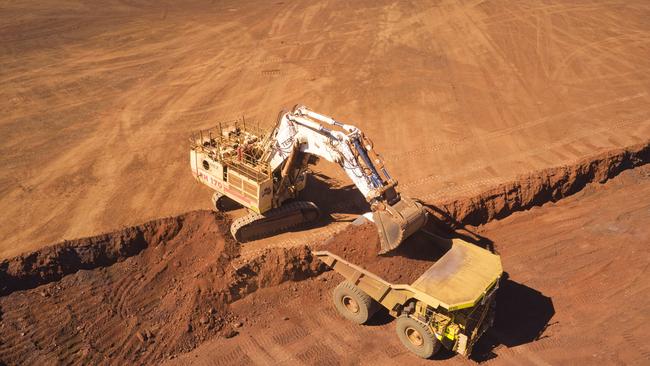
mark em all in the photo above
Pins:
pixel 459 279
pixel 456 281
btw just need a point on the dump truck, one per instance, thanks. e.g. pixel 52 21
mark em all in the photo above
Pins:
pixel 450 305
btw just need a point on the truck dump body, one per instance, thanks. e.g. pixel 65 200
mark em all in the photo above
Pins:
pixel 460 278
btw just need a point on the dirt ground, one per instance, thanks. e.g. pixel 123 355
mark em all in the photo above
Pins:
pixel 98 98
pixel 481 109
pixel 140 295
pixel 171 290
pixel 574 294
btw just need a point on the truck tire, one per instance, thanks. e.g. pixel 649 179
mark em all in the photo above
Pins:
pixel 417 337
pixel 353 303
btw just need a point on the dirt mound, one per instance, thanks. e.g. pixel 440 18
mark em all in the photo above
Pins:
pixel 168 289
pixel 359 244
pixel 272 267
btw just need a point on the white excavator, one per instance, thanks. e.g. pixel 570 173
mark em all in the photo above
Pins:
pixel 265 172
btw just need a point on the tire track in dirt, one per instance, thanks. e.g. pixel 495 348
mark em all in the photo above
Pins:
pixel 133 305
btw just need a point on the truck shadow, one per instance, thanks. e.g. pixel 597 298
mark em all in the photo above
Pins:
pixel 522 313
pixel 522 316
pixel 381 317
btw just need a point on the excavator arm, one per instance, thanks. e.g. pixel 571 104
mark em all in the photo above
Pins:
pixel 303 132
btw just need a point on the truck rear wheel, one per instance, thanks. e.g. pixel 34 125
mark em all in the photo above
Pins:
pixel 353 303
pixel 417 337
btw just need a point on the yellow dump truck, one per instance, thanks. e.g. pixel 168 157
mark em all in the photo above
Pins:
pixel 451 304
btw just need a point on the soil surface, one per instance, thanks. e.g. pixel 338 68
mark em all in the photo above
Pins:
pixel 573 269
pixel 98 97
pixel 162 299
pixel 479 108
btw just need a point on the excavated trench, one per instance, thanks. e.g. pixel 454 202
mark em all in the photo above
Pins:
pixel 151 291
pixel 360 243
pixel 539 187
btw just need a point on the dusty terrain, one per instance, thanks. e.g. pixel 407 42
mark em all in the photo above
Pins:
pixel 575 270
pixel 574 294
pixel 98 98
pixel 140 294
pixel 482 110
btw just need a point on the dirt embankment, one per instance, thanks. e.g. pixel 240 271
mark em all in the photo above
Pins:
pixel 168 289
pixel 53 262
pixel 539 187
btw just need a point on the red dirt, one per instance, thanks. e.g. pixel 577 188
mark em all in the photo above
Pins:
pixel 480 109
pixel 575 268
pixel 135 295
pixel 97 100
pixel 152 292
pixel 541 186
pixel 360 245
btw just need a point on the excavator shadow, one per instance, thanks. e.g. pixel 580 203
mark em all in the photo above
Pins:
pixel 442 223
pixel 334 200
pixel 336 203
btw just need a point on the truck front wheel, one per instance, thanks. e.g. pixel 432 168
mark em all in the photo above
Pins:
pixel 417 337
pixel 353 303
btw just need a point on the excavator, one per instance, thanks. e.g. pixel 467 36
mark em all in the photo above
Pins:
pixel 265 172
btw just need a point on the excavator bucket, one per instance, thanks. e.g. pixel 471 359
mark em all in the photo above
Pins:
pixel 398 222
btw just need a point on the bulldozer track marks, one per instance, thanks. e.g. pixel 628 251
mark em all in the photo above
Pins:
pixel 290 335
pixel 318 354
pixel 236 356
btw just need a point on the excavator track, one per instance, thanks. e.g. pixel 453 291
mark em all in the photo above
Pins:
pixel 255 226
